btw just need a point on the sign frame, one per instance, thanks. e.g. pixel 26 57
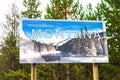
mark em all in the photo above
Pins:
pixel 66 59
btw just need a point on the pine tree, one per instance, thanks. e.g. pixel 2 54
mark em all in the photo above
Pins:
pixel 109 10
pixel 113 26
pixel 10 48
pixel 63 9
pixel 31 9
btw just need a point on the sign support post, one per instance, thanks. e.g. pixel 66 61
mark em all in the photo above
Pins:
pixel 95 71
pixel 33 72
pixel 68 72
pixel 63 41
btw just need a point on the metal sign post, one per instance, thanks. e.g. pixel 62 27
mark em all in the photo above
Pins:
pixel 33 72
pixel 95 71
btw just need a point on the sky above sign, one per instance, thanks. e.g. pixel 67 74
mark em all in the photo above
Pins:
pixel 6 4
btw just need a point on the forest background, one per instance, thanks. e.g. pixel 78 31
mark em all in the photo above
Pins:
pixel 106 10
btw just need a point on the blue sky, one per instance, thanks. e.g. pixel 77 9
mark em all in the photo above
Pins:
pixel 60 25
pixel 28 25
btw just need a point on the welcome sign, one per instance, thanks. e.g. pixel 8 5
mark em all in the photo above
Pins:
pixel 63 41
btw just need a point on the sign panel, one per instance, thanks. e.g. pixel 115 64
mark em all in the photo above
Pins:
pixel 63 41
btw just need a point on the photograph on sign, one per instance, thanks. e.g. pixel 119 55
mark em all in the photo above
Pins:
pixel 62 41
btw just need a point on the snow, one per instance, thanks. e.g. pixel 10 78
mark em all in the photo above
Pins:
pixel 84 59
pixel 22 35
pixel 50 52
pixel 29 55
pixel 27 52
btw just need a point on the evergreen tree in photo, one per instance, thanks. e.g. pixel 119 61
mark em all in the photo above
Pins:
pixel 89 13
pixel 66 9
pixel 107 10
pixel 113 28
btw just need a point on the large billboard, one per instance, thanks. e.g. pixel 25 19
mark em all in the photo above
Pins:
pixel 63 41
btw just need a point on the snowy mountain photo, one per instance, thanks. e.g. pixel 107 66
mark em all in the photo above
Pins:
pixel 45 44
